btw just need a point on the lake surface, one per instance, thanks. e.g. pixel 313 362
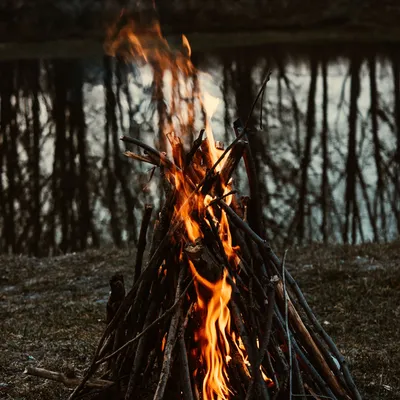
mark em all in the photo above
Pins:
pixel 328 153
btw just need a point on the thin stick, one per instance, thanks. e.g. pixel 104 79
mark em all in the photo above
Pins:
pixel 275 260
pixel 212 202
pixel 152 266
pixel 285 299
pixel 268 320
pixel 250 350
pixel 195 147
pixel 345 369
pixel 185 372
pixel 68 382
pixel 139 157
pixel 260 92
pixel 152 325
pixel 254 208
pixel 241 224
pixel 171 338
pixel 314 373
pixel 148 209
pixel 164 160
pixel 300 383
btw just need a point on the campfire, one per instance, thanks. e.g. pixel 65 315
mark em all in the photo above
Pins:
pixel 214 313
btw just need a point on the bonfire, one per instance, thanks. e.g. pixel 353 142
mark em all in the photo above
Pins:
pixel 213 313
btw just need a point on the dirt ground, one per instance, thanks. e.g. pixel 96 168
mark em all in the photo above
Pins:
pixel 52 312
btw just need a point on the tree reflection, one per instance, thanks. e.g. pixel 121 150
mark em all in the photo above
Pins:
pixel 328 160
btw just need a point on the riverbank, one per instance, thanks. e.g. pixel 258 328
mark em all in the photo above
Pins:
pixel 273 40
pixel 53 312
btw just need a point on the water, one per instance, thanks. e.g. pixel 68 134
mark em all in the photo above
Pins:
pixel 328 154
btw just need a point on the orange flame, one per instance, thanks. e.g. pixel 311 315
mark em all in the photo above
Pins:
pixel 217 315
pixel 164 340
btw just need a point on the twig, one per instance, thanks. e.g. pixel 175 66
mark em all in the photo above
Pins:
pixel 285 297
pixel 185 372
pixel 263 86
pixel 268 320
pixel 302 300
pixel 308 342
pixel 196 144
pixel 68 382
pixel 232 162
pixel 275 260
pixel 152 325
pixel 218 199
pixel 152 266
pixel 300 383
pixel 163 159
pixel 148 209
pixel 254 209
pixel 241 224
pixel 313 372
pixel 171 338
pixel 250 350
pixel 139 157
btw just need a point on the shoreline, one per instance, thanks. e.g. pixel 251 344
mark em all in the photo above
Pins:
pixel 92 46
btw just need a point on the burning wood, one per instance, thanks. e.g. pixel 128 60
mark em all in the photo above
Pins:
pixel 213 314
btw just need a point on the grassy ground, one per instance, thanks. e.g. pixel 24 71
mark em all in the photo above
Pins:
pixel 52 312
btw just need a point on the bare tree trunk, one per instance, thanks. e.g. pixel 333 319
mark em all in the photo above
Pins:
pixel 61 186
pixel 158 98
pixel 77 118
pixel 379 196
pixel 295 108
pixel 351 163
pixel 122 170
pixel 244 100
pixel 8 130
pixel 111 129
pixel 325 155
pixel 310 122
pixel 396 82
pixel 35 161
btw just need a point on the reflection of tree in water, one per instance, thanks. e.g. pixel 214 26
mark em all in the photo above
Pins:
pixel 322 180
pixel 357 198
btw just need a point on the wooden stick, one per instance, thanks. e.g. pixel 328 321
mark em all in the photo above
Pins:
pixel 254 208
pixel 147 274
pixel 196 145
pixel 346 373
pixel 232 162
pixel 275 260
pixel 314 373
pixel 152 325
pixel 148 209
pixel 171 338
pixel 163 159
pixel 297 374
pixel 139 157
pixel 68 382
pixel 268 320
pixel 185 372
pixel 309 342
pixel 250 350
pixel 141 351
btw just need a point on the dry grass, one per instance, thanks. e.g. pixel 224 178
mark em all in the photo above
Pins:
pixel 355 291
pixel 52 312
